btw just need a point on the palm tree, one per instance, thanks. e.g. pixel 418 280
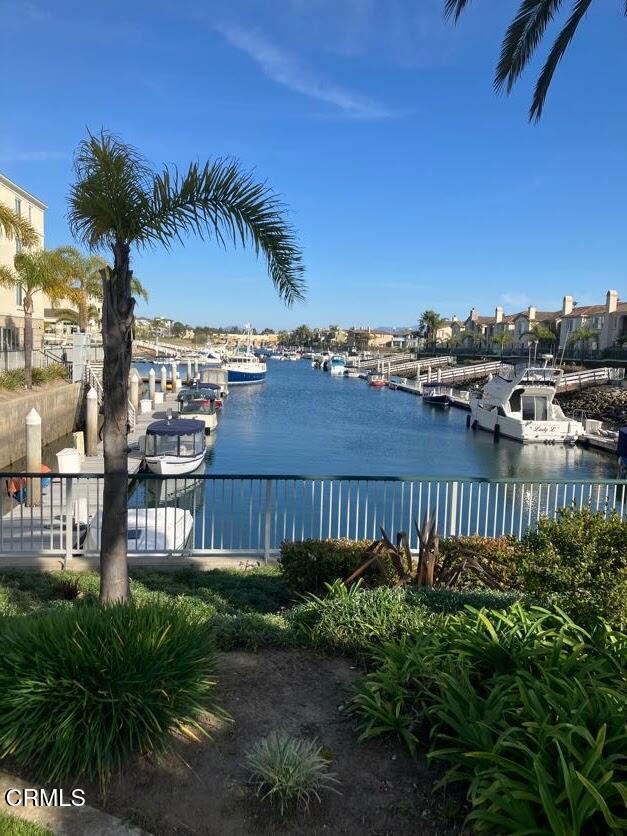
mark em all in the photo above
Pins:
pixel 118 201
pixel 15 226
pixel 429 323
pixel 502 339
pixel 583 336
pixel 524 35
pixel 86 282
pixel 41 271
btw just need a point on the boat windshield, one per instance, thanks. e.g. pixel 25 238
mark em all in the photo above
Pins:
pixel 175 445
pixel 196 406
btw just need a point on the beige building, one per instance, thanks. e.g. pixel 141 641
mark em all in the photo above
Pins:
pixel 11 309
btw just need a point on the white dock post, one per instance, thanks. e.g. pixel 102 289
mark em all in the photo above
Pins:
pixel 174 372
pixel 428 374
pixel 134 389
pixel 152 386
pixel 91 422
pixel 195 367
pixel 33 456
pixel 177 384
pixel 439 375
pixel 164 381
pixel 189 369
pixel 452 510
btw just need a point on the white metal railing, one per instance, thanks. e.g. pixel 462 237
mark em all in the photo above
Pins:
pixel 579 380
pixel 92 379
pixel 253 514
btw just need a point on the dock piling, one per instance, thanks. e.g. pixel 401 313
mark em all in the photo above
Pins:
pixel 91 422
pixel 134 389
pixel 152 386
pixel 164 380
pixel 33 456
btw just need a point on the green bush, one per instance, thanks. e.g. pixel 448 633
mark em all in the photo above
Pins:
pixel 526 708
pixel 497 554
pixel 16 379
pixel 308 565
pixel 83 688
pixel 353 619
pixel 579 561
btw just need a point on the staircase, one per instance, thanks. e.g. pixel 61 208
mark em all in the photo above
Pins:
pixel 93 379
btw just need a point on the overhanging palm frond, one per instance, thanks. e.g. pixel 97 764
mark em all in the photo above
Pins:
pixel 118 198
pixel 138 289
pixel 522 38
pixel 454 8
pixel 555 56
pixel 14 226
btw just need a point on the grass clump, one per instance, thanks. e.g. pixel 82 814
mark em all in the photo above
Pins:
pixel 13 826
pixel 15 379
pixel 525 708
pixel 84 688
pixel 289 771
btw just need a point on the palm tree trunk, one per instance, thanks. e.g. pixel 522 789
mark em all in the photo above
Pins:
pixel 82 316
pixel 28 341
pixel 117 324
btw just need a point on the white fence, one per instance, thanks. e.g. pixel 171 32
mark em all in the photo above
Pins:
pixel 254 514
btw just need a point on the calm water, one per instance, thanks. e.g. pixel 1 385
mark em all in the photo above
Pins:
pixel 302 421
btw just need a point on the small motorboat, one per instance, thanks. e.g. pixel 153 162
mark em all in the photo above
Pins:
pixel 198 403
pixel 174 446
pixel 435 394
pixel 337 365
pixel 149 530
pixel 376 380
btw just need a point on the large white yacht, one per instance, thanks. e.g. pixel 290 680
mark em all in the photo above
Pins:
pixel 519 403
pixel 244 366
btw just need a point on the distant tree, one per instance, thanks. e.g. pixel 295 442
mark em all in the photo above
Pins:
pixel 301 336
pixel 502 339
pixel 540 333
pixel 179 330
pixel 522 39
pixel 583 336
pixel 283 337
pixel 268 331
pixel 429 323
pixel 41 271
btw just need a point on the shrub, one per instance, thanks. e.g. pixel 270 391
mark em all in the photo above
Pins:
pixel 289 771
pixel 497 555
pixel 309 565
pixel 83 688
pixel 15 379
pixel 578 560
pixel 353 619
pixel 525 707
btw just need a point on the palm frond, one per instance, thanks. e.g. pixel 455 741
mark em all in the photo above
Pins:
pixel 522 38
pixel 454 8
pixel 14 226
pixel 138 289
pixel 8 278
pixel 555 56
pixel 117 197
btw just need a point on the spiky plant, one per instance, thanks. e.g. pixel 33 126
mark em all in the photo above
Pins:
pixel 289 771
pixel 522 39
pixel 118 201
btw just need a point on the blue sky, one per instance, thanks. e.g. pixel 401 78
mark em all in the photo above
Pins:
pixel 411 184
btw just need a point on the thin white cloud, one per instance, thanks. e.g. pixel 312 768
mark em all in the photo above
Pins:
pixel 284 68
pixel 32 156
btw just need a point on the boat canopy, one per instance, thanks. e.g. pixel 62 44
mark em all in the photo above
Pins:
pixel 205 392
pixel 178 437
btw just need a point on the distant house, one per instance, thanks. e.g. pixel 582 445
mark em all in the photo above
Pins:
pixel 524 323
pixel 477 329
pixel 363 339
pixel 609 321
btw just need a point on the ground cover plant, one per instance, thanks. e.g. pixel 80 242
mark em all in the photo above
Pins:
pixel 525 708
pixel 291 772
pixel 13 826
pixel 16 379
pixel 83 688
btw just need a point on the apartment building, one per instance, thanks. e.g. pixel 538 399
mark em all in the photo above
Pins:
pixel 11 299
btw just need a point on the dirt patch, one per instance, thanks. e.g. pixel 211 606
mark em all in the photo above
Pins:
pixel 203 789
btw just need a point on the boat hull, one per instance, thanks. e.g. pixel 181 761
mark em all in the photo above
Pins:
pixel 170 465
pixel 439 401
pixel 528 432
pixel 210 421
pixel 239 377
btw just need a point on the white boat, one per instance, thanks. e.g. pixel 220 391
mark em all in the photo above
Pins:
pixel 198 403
pixel 291 355
pixel 519 404
pixel 337 365
pixel 174 447
pixel 243 367
pixel 149 529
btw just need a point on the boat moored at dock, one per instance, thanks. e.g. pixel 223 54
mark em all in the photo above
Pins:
pixel 198 403
pixel 519 403
pixel 376 380
pixel 174 447
pixel 435 394
pixel 337 365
